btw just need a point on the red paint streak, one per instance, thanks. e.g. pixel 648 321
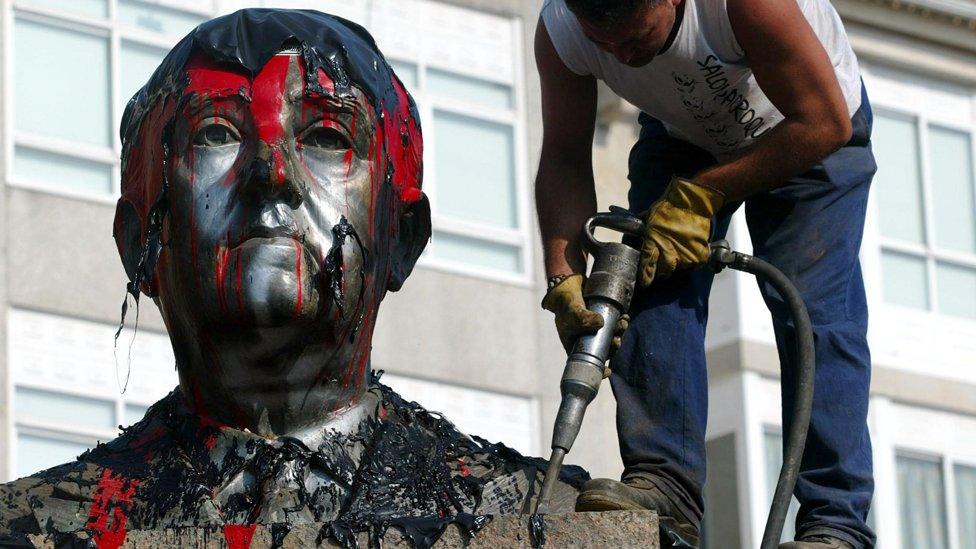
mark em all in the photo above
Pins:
pixel 383 413
pixel 267 105
pixel 464 468
pixel 238 536
pixel 210 441
pixel 238 287
pixel 110 501
pixel 327 84
pixel 147 437
pixel 298 277
pixel 278 162
pixel 221 258
pixel 404 144
pixel 210 80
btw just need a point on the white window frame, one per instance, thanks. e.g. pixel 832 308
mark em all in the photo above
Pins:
pixel 515 118
pixel 47 429
pixel 116 32
pixel 899 429
pixel 924 117
pixel 947 461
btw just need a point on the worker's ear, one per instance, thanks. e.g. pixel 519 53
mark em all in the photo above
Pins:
pixel 412 238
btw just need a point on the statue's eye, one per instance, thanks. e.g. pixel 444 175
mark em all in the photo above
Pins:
pixel 326 138
pixel 215 135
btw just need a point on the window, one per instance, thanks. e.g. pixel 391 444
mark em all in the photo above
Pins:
pixel 936 502
pixel 922 503
pixel 474 161
pixel 924 144
pixel 965 484
pixel 65 122
pixel 496 417
pixel 65 391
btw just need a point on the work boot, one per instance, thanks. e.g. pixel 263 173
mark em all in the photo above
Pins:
pixel 638 493
pixel 818 541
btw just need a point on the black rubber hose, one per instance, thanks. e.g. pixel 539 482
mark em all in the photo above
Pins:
pixel 803 401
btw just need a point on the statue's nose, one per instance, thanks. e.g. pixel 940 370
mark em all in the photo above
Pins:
pixel 268 177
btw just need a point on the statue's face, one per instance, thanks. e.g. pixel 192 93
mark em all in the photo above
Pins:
pixel 261 174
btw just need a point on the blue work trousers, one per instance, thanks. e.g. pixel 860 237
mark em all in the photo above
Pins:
pixel 810 228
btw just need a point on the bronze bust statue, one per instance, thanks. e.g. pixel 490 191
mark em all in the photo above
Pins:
pixel 271 195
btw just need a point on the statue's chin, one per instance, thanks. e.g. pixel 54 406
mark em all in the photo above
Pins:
pixel 270 285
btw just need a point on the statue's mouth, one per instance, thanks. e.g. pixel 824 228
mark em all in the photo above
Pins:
pixel 269 232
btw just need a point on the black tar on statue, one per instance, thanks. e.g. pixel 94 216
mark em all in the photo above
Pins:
pixel 400 466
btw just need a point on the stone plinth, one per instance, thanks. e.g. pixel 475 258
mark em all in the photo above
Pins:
pixel 597 530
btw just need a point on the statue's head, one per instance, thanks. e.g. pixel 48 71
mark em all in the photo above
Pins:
pixel 271 188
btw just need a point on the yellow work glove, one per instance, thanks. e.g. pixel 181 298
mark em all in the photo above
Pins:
pixel 573 319
pixel 676 230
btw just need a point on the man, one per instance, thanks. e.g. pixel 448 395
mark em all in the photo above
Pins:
pixel 744 101
pixel 271 196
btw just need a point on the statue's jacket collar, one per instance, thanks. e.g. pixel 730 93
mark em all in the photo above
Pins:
pixel 174 469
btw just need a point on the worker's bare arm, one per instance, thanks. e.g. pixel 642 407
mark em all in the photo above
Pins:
pixel 564 190
pixel 795 72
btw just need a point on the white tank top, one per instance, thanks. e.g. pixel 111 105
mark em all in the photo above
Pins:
pixel 701 88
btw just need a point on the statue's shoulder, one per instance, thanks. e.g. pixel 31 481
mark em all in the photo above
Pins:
pixel 54 498
pixel 496 478
pixel 71 497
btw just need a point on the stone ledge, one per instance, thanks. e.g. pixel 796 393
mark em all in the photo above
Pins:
pixel 596 530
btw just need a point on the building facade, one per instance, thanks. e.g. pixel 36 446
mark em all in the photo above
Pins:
pixel 466 336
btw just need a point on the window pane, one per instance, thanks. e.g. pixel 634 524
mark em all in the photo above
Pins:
pixel 137 62
pixel 156 18
pixel 134 413
pixel 66 172
pixel 905 280
pixel 898 182
pixel 475 166
pixel 921 504
pixel 407 73
pixel 36 453
pixel 61 83
pixel 773 448
pixel 470 90
pixel 478 253
pixel 62 409
pixel 951 169
pixel 957 290
pixel 91 8
pixel 966 505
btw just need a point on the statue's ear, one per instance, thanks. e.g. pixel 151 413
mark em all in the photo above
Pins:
pixel 128 237
pixel 413 237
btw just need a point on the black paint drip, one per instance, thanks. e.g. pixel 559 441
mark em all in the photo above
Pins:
pixel 334 267
pixel 145 268
pixel 537 530
pixel 278 532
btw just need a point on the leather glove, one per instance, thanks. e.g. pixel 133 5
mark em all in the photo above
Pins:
pixel 676 230
pixel 573 319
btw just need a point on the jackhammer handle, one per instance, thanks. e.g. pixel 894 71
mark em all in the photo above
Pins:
pixel 617 219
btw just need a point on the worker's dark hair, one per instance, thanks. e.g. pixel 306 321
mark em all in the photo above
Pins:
pixel 607 10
